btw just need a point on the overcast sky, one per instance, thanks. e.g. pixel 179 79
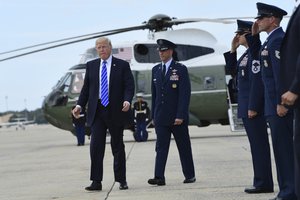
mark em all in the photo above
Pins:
pixel 26 80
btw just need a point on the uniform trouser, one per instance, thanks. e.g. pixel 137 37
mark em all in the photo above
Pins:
pixel 80 133
pixel 97 147
pixel 297 150
pixel 282 140
pixel 182 139
pixel 141 133
pixel 256 129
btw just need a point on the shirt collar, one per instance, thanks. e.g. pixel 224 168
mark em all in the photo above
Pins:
pixel 168 63
pixel 108 61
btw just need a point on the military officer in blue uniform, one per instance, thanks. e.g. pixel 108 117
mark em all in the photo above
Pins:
pixel 251 108
pixel 279 117
pixel 171 91
pixel 290 77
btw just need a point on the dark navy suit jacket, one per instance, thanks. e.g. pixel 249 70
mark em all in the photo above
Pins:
pixel 171 96
pixel 290 56
pixel 121 88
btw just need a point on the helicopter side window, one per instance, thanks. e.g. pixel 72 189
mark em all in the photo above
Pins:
pixel 77 82
pixel 147 53
pixel 124 53
pixel 186 52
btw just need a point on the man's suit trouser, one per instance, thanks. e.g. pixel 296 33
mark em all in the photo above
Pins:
pixel 97 146
pixel 297 150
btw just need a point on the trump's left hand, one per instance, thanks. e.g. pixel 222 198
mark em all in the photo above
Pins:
pixel 178 121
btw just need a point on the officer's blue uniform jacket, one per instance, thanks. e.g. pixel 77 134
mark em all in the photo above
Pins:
pixel 175 89
pixel 269 56
pixel 250 86
pixel 270 63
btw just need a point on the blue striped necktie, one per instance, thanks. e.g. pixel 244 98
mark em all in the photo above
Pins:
pixel 104 85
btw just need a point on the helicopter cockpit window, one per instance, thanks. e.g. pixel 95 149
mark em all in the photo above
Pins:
pixel 62 81
pixel 67 83
pixel 147 53
pixel 77 82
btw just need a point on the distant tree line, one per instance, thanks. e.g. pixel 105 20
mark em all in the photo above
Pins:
pixel 36 115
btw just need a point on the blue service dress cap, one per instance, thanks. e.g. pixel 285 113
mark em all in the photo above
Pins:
pixel 265 10
pixel 165 44
pixel 243 26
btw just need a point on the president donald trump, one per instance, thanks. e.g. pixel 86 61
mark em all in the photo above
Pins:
pixel 107 91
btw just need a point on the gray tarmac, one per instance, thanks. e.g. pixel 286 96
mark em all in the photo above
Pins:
pixel 44 163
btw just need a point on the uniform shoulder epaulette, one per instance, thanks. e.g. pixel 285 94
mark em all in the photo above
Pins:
pixel 180 64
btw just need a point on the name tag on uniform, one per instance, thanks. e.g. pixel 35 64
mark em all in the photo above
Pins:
pixel 277 54
pixel 266 63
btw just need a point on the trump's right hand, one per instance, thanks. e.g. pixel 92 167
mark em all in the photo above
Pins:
pixel 288 98
pixel 76 112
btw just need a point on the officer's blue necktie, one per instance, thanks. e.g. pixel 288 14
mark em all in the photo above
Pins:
pixel 163 73
pixel 104 85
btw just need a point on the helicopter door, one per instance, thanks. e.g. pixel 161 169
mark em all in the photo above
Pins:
pixel 143 83
pixel 236 124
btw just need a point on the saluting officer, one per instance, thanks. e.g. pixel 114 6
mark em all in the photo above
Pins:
pixel 280 118
pixel 141 113
pixel 171 91
pixel 251 108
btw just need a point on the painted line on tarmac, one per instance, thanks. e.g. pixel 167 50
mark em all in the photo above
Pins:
pixel 112 186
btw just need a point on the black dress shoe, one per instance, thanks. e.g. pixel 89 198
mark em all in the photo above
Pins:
pixel 157 181
pixel 94 186
pixel 256 190
pixel 190 180
pixel 123 186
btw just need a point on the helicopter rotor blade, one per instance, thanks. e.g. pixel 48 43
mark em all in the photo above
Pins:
pixel 190 20
pixel 100 34
pixel 225 20
pixel 159 22
pixel 77 37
